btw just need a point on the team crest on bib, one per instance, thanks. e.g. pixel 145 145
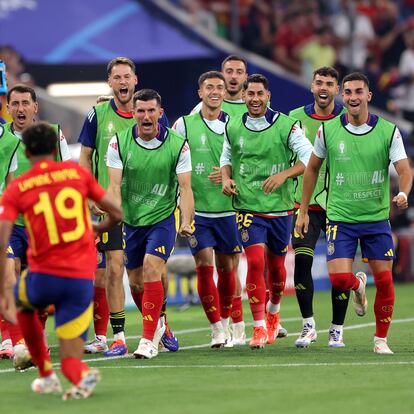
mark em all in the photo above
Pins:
pixel 331 249
pixel 99 257
pixel 244 235
pixel 125 259
pixel 192 241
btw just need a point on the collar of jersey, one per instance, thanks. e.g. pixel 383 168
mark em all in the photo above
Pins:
pixel 310 111
pixel 119 112
pixel 371 122
pixel 269 115
pixel 161 135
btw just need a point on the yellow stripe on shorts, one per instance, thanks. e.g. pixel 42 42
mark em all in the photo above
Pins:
pixel 76 327
pixel 23 299
pixel 177 219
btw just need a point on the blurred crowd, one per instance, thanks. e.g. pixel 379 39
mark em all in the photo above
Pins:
pixel 374 36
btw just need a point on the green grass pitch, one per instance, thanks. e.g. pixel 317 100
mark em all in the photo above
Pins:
pixel 278 379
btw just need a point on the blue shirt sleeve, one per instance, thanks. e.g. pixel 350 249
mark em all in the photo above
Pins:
pixel 87 136
pixel 164 121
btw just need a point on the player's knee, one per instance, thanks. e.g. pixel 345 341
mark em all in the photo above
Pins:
pixel 304 259
pixel 136 287
pixel 255 255
pixel 276 265
pixel 341 281
pixel 200 262
pixel 383 282
pixel 115 271
pixel 255 263
pixel 152 271
pixel 225 266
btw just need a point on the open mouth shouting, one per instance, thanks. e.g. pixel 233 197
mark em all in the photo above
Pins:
pixel 147 126
pixel 124 94
pixel 21 120
pixel 323 99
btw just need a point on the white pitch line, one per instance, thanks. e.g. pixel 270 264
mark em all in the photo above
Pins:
pixel 249 366
pixel 207 345
pixel 281 365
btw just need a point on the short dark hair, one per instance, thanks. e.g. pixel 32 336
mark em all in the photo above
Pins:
pixel 146 95
pixel 20 88
pixel 212 74
pixel 327 71
pixel 40 138
pixel 256 78
pixel 120 61
pixel 355 76
pixel 234 57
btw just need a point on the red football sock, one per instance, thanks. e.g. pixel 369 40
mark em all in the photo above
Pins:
pixel 226 286
pixel 384 302
pixel 137 297
pixel 73 369
pixel 237 310
pixel 276 277
pixel 33 334
pixel 43 314
pixel 267 291
pixel 100 311
pixel 208 293
pixel 5 334
pixel 255 284
pixel 15 332
pixel 151 307
pixel 344 281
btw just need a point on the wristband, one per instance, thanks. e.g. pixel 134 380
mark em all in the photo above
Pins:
pixel 401 193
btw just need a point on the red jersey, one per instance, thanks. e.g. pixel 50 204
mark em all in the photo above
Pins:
pixel 52 196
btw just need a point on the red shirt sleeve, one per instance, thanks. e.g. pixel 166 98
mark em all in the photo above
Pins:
pixel 9 204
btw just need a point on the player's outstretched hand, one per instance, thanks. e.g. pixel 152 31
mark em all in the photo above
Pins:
pixel 8 305
pixel 95 209
pixel 96 229
pixel 215 176
pixel 302 224
pixel 185 230
pixel 401 200
pixel 272 183
pixel 229 187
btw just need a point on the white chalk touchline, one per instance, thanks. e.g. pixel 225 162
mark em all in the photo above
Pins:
pixel 207 345
pixel 280 365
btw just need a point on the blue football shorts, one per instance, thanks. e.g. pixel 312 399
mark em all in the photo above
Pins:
pixel 274 232
pixel 19 243
pixel 375 239
pixel 156 239
pixel 72 298
pixel 219 233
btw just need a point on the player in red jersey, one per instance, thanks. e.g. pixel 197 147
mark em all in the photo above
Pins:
pixel 61 256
